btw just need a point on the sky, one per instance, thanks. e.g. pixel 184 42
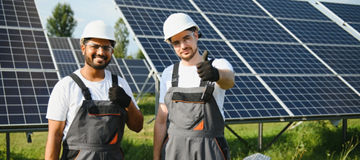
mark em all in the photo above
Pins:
pixel 84 12
pixel 88 10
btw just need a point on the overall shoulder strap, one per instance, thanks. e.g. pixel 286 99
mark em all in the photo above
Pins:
pixel 114 80
pixel 175 75
pixel 85 91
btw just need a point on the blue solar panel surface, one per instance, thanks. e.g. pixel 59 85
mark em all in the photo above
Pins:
pixel 24 97
pixel 19 13
pixel 314 96
pixel 239 7
pixel 343 59
pixel 249 99
pixel 170 4
pixel 347 12
pixel 292 9
pixel 250 28
pixel 320 32
pixel 280 59
pixel 26 66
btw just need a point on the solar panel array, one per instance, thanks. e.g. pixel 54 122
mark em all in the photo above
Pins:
pixel 290 60
pixel 68 57
pixel 27 71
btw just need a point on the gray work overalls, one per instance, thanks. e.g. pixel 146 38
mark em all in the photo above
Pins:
pixel 97 129
pixel 195 126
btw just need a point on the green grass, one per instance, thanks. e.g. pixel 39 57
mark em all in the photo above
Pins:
pixel 310 140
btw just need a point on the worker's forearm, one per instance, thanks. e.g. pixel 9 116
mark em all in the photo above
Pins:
pixel 53 145
pixel 226 79
pixel 159 135
pixel 135 118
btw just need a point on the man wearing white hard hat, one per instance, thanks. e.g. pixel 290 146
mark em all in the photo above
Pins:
pixel 88 109
pixel 190 120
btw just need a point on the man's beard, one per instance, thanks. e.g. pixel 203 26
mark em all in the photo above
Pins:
pixel 191 56
pixel 89 61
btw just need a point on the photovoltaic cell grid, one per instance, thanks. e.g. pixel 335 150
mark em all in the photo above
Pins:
pixel 238 7
pixel 250 100
pixel 266 46
pixel 343 59
pixel 320 32
pixel 292 9
pixel 347 12
pixel 64 56
pixel 149 22
pixel 168 4
pixel 24 97
pixel 280 59
pixel 315 96
pixel 19 13
pixel 140 72
pixel 250 28
pixel 24 48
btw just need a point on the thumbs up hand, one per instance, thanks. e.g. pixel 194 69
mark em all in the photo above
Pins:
pixel 205 69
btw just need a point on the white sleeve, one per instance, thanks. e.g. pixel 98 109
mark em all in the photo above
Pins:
pixel 58 105
pixel 127 89
pixel 164 80
pixel 222 64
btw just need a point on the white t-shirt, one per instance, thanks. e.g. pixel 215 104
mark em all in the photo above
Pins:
pixel 66 98
pixel 188 77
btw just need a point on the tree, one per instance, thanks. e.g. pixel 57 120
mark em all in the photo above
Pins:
pixel 122 39
pixel 140 55
pixel 62 22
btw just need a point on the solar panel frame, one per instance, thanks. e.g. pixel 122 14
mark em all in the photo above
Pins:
pixel 347 12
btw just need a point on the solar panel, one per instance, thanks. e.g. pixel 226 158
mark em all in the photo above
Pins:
pixel 315 96
pixel 262 53
pixel 239 7
pixel 280 59
pixel 140 73
pixel 128 76
pixel 24 97
pixel 250 28
pixel 347 12
pixel 343 59
pixel 320 32
pixel 19 13
pixel 178 5
pixel 149 22
pixel 250 100
pixel 27 71
pixel 24 48
pixel 292 9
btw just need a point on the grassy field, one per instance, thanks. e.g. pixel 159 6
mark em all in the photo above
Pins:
pixel 309 140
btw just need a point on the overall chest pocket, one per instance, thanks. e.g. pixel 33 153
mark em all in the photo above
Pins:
pixel 186 110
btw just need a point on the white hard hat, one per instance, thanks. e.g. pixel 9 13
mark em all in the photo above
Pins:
pixel 98 29
pixel 177 23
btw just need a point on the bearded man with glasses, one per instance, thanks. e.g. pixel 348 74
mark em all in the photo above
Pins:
pixel 88 109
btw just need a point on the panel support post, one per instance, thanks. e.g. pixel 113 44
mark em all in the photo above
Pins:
pixel 233 132
pixel 7 146
pixel 344 128
pixel 260 137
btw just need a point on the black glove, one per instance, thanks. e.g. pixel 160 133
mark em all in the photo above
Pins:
pixel 206 71
pixel 118 96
